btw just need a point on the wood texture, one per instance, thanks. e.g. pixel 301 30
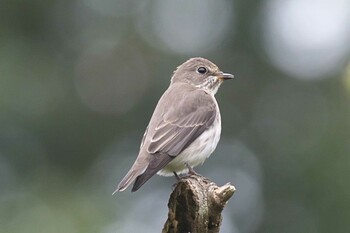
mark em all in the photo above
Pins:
pixel 196 204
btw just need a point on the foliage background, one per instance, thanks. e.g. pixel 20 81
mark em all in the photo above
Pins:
pixel 79 80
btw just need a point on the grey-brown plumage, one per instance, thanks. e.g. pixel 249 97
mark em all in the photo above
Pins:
pixel 185 126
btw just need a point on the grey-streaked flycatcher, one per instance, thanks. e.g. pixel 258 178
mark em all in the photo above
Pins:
pixel 185 126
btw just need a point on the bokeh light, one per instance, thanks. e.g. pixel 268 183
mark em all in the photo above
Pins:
pixel 186 27
pixel 305 38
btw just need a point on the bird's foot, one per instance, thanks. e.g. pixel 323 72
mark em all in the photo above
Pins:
pixel 190 170
pixel 190 173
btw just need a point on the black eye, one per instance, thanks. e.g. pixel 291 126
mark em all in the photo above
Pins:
pixel 202 70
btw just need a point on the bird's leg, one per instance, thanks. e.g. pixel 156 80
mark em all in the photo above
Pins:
pixel 178 178
pixel 190 170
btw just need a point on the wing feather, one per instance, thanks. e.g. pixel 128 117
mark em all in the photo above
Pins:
pixel 183 123
pixel 176 128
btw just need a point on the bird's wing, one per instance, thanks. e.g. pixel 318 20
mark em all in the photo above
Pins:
pixel 182 123
pixel 179 125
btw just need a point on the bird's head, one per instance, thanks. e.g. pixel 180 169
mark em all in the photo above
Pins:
pixel 200 73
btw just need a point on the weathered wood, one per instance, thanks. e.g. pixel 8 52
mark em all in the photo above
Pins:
pixel 196 204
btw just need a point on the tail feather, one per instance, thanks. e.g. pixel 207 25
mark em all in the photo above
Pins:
pixel 127 180
pixel 141 179
pixel 143 171
pixel 158 162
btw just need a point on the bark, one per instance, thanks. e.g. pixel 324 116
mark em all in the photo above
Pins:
pixel 196 204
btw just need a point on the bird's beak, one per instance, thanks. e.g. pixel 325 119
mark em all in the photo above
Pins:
pixel 224 76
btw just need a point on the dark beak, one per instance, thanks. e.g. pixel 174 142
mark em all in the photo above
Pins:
pixel 225 76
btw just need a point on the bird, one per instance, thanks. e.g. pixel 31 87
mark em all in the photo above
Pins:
pixel 185 126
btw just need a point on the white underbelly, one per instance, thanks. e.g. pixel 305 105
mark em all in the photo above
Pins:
pixel 197 152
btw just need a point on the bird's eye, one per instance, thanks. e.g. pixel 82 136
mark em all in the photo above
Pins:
pixel 202 70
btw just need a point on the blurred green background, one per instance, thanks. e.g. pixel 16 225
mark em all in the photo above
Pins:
pixel 79 80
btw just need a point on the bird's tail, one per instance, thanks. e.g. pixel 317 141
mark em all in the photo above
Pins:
pixel 143 170
pixel 128 179
pixel 158 162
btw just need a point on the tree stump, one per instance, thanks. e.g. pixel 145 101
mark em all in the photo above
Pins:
pixel 196 204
